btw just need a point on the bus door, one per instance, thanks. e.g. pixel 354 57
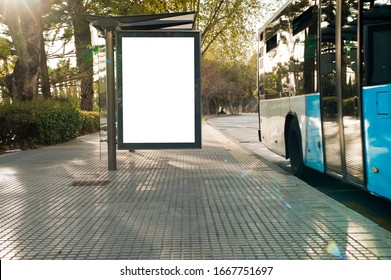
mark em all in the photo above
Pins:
pixel 340 90
pixel 377 95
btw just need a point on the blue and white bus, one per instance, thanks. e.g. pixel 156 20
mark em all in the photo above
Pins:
pixel 324 80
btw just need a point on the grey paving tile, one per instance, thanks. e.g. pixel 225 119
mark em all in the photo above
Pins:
pixel 216 203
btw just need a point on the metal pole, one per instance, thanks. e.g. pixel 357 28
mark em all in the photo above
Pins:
pixel 110 98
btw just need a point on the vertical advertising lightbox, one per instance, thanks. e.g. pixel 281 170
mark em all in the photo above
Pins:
pixel 158 80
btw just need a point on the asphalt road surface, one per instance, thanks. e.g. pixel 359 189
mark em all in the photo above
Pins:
pixel 243 129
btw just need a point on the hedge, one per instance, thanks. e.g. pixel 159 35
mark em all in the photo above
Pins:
pixel 349 105
pixel 90 122
pixel 42 122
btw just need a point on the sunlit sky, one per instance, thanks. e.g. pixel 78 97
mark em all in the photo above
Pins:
pixel 274 6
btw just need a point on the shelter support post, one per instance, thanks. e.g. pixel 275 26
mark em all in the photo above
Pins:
pixel 110 99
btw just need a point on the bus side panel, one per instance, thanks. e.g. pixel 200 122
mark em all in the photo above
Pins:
pixel 377 137
pixel 297 105
pixel 307 109
pixel 272 126
pixel 314 146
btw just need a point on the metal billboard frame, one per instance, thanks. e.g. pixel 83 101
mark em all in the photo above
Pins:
pixel 125 126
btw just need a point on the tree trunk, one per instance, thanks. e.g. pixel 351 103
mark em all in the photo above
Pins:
pixel 25 27
pixel 84 58
pixel 26 72
pixel 45 81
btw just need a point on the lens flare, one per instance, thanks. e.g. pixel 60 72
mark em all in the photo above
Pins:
pixel 333 249
pixel 282 201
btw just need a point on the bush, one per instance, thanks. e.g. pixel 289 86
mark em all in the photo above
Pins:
pixel 90 122
pixel 350 106
pixel 40 122
pixel 330 105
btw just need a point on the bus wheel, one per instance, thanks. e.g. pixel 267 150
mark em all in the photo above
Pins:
pixel 295 150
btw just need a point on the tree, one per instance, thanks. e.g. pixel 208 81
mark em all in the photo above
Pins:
pixel 44 70
pixel 212 84
pixel 84 56
pixel 69 15
pixel 6 51
pixel 227 24
pixel 227 30
pixel 227 83
pixel 63 79
pixel 219 21
pixel 23 19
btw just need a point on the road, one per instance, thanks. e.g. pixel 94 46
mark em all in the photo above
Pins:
pixel 244 130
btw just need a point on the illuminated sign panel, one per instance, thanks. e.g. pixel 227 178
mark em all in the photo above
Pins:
pixel 159 90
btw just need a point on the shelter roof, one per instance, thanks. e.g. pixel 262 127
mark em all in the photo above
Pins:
pixel 182 21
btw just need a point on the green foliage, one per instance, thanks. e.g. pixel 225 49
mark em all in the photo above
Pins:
pixel 63 73
pixel 330 105
pixel 40 122
pixel 228 83
pixel 226 26
pixel 7 60
pixel 90 122
pixel 349 106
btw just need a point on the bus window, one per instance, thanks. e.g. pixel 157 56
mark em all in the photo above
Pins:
pixel 276 58
pixel 271 44
pixel 302 66
pixel 377 38
pixel 261 80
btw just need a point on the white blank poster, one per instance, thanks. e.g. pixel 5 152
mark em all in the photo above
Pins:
pixel 158 90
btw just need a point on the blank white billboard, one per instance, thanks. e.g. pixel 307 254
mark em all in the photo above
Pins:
pixel 159 98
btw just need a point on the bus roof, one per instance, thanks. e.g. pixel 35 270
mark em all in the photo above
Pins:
pixel 274 16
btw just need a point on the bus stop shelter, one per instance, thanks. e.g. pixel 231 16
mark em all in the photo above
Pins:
pixel 115 26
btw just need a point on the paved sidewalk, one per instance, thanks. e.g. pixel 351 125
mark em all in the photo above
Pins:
pixel 220 202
